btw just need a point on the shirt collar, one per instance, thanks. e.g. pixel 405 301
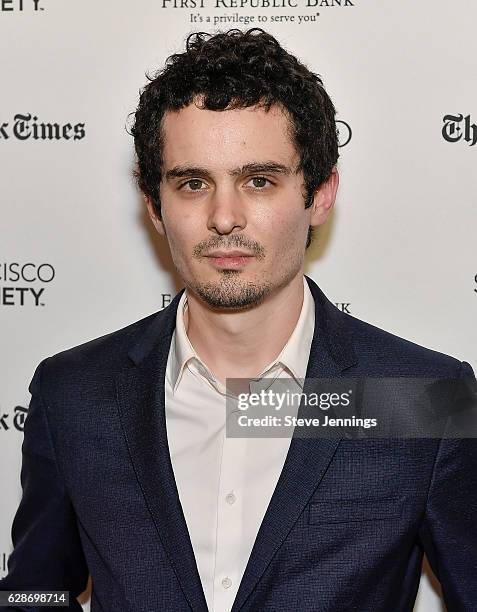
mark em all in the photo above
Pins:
pixel 181 349
pixel 294 356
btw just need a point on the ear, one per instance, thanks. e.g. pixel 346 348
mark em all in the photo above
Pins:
pixel 157 221
pixel 324 199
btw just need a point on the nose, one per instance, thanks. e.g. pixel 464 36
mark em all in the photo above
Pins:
pixel 226 212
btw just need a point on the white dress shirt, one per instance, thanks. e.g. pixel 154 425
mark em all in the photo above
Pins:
pixel 225 484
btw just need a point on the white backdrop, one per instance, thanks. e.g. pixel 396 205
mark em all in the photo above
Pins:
pixel 399 251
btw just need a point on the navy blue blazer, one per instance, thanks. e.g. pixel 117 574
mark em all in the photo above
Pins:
pixel 347 524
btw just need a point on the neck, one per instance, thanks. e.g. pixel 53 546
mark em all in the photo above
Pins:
pixel 241 344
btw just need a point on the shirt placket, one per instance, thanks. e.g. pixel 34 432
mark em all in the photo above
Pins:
pixel 230 523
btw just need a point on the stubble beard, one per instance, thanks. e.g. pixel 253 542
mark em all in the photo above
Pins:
pixel 231 292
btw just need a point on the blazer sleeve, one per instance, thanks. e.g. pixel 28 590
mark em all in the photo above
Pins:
pixel 47 552
pixel 449 529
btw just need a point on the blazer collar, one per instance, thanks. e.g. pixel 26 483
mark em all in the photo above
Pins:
pixel 141 406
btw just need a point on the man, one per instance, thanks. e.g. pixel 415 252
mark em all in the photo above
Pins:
pixel 127 473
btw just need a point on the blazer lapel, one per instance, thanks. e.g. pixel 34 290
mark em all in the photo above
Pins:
pixel 141 402
pixel 308 458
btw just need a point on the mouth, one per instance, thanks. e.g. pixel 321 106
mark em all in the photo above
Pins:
pixel 229 259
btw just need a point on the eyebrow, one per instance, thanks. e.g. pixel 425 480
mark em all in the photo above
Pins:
pixel 268 167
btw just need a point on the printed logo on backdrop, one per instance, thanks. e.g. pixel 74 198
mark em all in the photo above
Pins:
pixel 459 128
pixel 344 133
pixel 24 284
pixel 13 420
pixel 247 13
pixel 29 127
pixel 343 306
pixel 21 6
pixel 3 562
pixel 166 299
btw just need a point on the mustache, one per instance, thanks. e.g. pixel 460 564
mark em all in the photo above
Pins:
pixel 234 241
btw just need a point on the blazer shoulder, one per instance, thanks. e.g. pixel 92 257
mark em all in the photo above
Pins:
pixel 383 350
pixel 105 353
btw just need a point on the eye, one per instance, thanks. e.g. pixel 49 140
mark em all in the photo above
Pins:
pixel 259 182
pixel 193 185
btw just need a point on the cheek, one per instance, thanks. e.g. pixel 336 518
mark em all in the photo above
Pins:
pixel 181 229
pixel 288 230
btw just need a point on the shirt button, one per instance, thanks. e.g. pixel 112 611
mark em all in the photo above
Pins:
pixel 226 582
pixel 230 498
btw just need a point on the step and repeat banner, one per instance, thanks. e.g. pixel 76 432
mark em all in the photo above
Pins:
pixel 78 255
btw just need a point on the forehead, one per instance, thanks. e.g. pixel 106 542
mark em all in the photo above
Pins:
pixel 227 137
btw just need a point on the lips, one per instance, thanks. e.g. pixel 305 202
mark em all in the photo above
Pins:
pixel 222 254
pixel 229 259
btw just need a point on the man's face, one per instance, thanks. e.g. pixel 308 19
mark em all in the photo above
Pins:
pixel 229 183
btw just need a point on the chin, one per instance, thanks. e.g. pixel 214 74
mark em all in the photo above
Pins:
pixel 229 290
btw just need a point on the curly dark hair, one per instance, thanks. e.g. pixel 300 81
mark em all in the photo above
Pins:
pixel 237 69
